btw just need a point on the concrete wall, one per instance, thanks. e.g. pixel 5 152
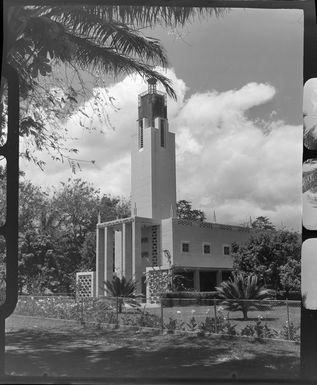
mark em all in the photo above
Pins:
pixel 153 175
pixel 146 247
pixel 164 173
pixel 186 231
pixel 166 240
pixel 141 174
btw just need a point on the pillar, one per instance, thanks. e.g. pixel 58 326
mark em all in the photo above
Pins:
pixel 100 261
pixel 136 255
pixel 127 250
pixel 197 280
pixel 219 277
pixel 108 252
pixel 118 253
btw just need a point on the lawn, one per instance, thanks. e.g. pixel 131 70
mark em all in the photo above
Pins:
pixel 274 316
pixel 63 348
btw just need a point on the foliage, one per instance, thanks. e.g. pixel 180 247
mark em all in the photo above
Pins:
pixel 99 311
pixel 192 325
pixel 57 233
pixel 120 287
pixel 290 332
pixel 123 290
pixel 273 255
pixel 262 223
pixel 208 326
pixel 239 292
pixel 149 320
pixel 290 276
pixel 44 43
pixel 185 211
pixel 173 325
pixel 259 330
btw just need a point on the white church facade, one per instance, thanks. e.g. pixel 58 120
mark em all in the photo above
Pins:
pixel 153 238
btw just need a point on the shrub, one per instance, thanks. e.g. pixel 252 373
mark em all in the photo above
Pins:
pixel 290 332
pixel 229 329
pixel 259 330
pixel 174 325
pixel 149 320
pixel 121 289
pixel 192 325
pixel 239 291
pixel 208 325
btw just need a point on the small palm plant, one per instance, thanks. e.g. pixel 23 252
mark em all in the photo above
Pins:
pixel 121 288
pixel 239 292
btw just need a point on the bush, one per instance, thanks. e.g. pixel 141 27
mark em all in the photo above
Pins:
pixel 290 332
pixel 258 330
pixel 291 295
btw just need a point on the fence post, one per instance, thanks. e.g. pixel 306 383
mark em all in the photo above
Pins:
pixel 162 315
pixel 82 310
pixel 288 325
pixel 216 318
pixel 117 311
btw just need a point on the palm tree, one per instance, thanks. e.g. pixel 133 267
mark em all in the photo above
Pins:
pixel 107 39
pixel 242 293
pixel 123 290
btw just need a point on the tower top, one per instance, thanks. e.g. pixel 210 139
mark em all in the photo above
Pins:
pixel 152 103
pixel 152 85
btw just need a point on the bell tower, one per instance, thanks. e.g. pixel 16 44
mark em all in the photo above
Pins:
pixel 153 174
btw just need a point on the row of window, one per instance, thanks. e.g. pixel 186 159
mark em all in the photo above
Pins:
pixel 185 247
pixel 206 248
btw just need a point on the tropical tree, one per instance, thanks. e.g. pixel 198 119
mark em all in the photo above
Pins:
pixel 185 211
pixel 266 253
pixel 242 293
pixel 262 223
pixel 122 289
pixel 103 40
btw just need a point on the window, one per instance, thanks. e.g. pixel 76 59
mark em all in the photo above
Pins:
pixel 144 240
pixel 185 247
pixel 140 133
pixel 162 132
pixel 206 248
pixel 145 254
pixel 226 250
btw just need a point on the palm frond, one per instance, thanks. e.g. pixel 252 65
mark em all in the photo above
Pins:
pixel 120 287
pixel 108 60
pixel 243 293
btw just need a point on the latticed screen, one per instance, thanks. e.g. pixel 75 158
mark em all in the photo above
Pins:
pixel 85 284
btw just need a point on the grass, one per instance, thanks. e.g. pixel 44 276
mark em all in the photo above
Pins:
pixel 275 317
pixel 63 348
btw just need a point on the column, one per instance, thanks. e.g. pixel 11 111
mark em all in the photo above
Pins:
pixel 127 250
pixel 136 255
pixel 100 260
pixel 219 277
pixel 118 253
pixel 108 247
pixel 196 280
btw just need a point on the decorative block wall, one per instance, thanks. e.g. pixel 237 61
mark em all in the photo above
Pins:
pixel 154 245
pixel 86 282
pixel 157 281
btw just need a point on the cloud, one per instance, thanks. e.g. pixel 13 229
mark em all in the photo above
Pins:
pixel 229 163
pixel 225 161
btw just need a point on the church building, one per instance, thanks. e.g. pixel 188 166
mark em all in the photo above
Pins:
pixel 153 238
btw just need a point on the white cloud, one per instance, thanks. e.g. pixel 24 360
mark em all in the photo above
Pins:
pixel 224 160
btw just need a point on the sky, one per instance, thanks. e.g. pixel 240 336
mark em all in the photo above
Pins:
pixel 237 119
